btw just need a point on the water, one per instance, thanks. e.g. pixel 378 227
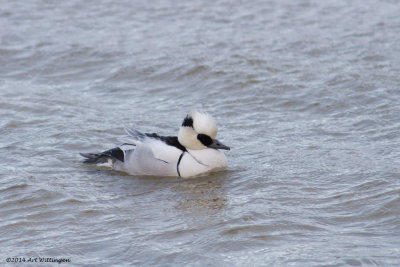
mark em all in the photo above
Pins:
pixel 305 92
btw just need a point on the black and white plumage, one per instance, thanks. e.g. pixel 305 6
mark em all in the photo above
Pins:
pixel 194 151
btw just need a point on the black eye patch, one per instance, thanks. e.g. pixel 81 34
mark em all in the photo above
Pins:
pixel 187 122
pixel 204 139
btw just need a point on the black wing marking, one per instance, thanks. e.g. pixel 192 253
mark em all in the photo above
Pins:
pixel 115 153
pixel 169 140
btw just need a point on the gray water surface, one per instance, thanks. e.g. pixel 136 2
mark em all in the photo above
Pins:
pixel 307 94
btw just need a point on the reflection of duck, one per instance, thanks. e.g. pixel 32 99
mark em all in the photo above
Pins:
pixel 194 151
pixel 201 196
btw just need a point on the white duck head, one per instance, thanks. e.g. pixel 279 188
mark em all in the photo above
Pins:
pixel 198 131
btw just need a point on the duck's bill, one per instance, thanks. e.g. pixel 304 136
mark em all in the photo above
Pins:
pixel 218 145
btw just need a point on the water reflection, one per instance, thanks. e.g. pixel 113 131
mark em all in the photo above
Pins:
pixel 201 196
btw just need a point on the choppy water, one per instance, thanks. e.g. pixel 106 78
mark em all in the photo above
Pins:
pixel 307 93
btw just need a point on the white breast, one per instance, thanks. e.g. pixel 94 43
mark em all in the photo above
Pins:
pixel 195 162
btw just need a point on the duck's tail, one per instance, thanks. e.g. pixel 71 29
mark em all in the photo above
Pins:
pixel 108 156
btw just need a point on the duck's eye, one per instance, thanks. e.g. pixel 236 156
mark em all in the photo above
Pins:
pixel 204 139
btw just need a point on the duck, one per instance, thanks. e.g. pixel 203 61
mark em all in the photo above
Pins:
pixel 195 151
